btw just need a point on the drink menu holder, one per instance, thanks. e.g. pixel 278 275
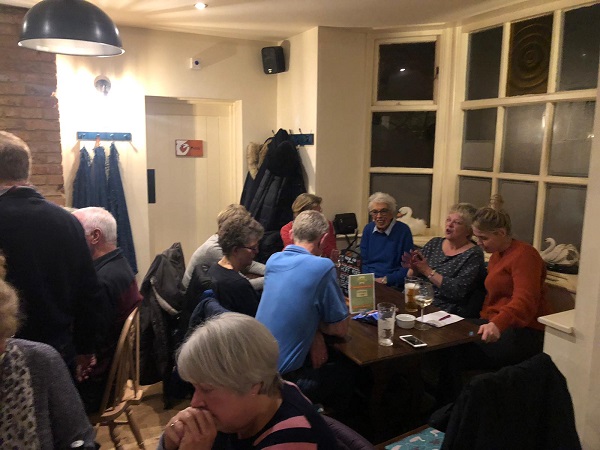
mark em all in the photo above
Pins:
pixel 361 292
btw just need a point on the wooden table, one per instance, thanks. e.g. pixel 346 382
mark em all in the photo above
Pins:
pixel 361 346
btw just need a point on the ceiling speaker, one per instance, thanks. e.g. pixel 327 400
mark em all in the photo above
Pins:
pixel 273 60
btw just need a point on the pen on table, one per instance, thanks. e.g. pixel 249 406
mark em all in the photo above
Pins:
pixel 445 317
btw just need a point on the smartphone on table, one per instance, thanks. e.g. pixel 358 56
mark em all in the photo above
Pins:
pixel 413 341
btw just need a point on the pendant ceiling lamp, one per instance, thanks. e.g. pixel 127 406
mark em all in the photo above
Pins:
pixel 70 27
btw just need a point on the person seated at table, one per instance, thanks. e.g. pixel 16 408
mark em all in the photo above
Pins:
pixel 384 241
pixel 515 283
pixel 240 401
pixel 238 238
pixel 305 202
pixel 454 264
pixel 301 302
pixel 118 285
pixel 39 405
pixel 211 252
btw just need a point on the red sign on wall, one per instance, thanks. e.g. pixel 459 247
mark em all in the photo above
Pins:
pixel 190 148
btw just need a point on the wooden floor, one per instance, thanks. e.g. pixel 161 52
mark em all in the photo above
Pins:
pixel 151 417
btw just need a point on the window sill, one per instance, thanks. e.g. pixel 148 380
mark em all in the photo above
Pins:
pixel 562 321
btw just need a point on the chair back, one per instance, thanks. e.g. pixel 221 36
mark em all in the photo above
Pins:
pixel 347 438
pixel 125 366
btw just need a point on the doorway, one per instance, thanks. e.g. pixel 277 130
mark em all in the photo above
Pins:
pixel 189 191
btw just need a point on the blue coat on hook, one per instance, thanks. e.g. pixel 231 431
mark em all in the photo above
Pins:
pixel 118 208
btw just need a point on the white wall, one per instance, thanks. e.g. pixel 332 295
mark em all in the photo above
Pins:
pixel 156 63
pixel 297 95
pixel 342 118
pixel 578 356
pixel 323 92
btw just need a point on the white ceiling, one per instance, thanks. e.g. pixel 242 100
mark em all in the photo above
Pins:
pixel 275 20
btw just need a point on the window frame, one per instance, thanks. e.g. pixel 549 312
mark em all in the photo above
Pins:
pixel 439 104
pixel 549 99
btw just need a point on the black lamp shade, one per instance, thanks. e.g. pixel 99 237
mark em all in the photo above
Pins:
pixel 70 27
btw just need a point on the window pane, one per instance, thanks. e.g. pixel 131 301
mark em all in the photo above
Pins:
pixel 406 71
pixel 480 136
pixel 581 39
pixel 563 216
pixel 403 139
pixel 408 190
pixel 572 139
pixel 523 133
pixel 529 56
pixel 476 191
pixel 520 199
pixel 483 73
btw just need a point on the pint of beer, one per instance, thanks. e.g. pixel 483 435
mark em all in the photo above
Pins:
pixel 411 289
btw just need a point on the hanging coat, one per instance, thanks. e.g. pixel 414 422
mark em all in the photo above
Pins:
pixel 82 186
pixel 99 187
pixel 117 205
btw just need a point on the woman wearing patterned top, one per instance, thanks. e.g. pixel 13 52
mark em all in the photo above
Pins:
pixel 240 401
pixel 39 405
pixel 453 264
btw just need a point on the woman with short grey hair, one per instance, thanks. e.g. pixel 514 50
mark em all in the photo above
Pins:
pixel 454 264
pixel 239 237
pixel 240 400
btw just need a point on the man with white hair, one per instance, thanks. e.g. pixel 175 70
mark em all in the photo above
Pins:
pixel 301 302
pixel 119 286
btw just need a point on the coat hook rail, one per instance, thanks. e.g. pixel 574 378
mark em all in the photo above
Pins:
pixel 303 139
pixel 103 136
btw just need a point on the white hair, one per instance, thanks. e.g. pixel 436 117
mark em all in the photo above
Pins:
pixel 309 226
pixel 382 197
pixel 93 218
pixel 233 351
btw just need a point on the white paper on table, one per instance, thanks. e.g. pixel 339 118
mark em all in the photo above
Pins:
pixel 440 318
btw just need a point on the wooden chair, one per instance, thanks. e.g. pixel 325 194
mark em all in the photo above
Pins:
pixel 122 387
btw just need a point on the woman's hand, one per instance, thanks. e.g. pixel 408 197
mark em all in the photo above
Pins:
pixel 419 263
pixel 489 332
pixel 407 260
pixel 192 428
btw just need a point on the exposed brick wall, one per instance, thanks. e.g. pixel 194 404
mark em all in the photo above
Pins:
pixel 28 107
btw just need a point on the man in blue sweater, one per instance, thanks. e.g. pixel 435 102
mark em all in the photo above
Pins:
pixel 384 241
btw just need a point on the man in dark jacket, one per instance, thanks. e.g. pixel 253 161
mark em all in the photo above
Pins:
pixel 119 286
pixel 47 262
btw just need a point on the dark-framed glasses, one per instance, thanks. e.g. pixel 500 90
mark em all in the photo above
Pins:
pixel 379 212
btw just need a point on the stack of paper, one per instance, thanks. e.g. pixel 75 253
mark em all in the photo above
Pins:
pixel 439 318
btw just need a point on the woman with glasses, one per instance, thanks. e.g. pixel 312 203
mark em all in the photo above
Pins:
pixel 239 237
pixel 384 241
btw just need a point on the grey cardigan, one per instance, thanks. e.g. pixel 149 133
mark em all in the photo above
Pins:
pixel 59 413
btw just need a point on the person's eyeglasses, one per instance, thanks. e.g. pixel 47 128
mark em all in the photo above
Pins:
pixel 379 212
pixel 254 249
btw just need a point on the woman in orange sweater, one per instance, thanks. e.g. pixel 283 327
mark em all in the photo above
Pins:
pixel 515 292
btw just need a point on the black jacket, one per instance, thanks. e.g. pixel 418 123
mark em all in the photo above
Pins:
pixel 270 195
pixel 526 406
pixel 50 265
pixel 163 299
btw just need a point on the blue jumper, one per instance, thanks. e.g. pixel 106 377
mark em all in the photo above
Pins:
pixel 382 253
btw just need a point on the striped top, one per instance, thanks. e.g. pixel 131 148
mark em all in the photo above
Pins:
pixel 295 426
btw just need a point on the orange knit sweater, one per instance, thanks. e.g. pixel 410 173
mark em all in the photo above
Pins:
pixel 515 288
